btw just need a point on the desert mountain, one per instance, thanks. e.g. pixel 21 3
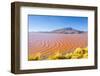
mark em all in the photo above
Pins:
pixel 67 31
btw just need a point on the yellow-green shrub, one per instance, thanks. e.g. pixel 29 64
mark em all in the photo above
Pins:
pixel 78 51
pixel 68 55
pixel 35 57
pixel 85 50
pixel 77 54
pixel 85 55
pixel 56 56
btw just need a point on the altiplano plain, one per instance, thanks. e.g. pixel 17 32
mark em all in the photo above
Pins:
pixel 49 43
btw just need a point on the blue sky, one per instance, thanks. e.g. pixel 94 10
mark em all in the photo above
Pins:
pixel 38 23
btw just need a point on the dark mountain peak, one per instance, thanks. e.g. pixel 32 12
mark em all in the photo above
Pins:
pixel 68 28
pixel 65 29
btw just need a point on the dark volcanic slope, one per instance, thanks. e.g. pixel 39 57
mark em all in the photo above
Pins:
pixel 64 31
pixel 68 31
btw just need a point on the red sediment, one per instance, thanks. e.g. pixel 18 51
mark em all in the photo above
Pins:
pixel 49 43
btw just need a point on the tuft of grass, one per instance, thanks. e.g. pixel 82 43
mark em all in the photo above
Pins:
pixel 56 56
pixel 68 55
pixel 78 51
pixel 77 54
pixel 35 57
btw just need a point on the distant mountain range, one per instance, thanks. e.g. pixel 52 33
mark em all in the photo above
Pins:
pixel 66 31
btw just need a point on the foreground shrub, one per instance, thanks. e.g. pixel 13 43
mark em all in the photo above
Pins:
pixel 77 54
pixel 56 56
pixel 68 55
pixel 78 51
pixel 85 55
pixel 35 57
pixel 85 50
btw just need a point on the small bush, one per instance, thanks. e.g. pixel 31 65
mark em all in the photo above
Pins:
pixel 78 51
pixel 36 57
pixel 85 55
pixel 68 55
pixel 77 54
pixel 56 56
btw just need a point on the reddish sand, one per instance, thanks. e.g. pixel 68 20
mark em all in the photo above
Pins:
pixel 49 43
